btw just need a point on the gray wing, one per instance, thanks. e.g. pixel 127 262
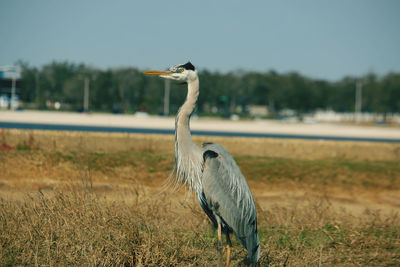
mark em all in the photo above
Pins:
pixel 228 197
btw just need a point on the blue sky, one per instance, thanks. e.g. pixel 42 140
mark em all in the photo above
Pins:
pixel 318 38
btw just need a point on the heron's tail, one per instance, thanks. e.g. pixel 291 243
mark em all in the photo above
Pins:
pixel 253 249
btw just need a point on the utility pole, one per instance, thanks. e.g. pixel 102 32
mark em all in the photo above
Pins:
pixel 14 81
pixel 86 95
pixel 358 104
pixel 37 90
pixel 166 96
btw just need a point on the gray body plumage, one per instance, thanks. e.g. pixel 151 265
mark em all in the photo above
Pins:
pixel 228 196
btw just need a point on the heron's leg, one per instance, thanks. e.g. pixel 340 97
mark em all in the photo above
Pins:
pixel 228 249
pixel 219 246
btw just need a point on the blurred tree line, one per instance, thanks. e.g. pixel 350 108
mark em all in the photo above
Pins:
pixel 127 90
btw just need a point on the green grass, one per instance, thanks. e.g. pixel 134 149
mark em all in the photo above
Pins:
pixel 334 172
pixel 329 172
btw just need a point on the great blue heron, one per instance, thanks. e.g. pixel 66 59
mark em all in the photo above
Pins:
pixel 213 174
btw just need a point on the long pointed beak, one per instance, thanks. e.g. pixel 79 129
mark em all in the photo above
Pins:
pixel 157 72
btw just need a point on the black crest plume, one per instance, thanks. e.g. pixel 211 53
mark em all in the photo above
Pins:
pixel 188 66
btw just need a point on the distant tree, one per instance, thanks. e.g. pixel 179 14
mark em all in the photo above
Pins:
pixel 390 94
pixel 128 90
pixel 28 84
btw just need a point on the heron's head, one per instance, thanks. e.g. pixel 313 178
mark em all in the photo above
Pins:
pixel 182 72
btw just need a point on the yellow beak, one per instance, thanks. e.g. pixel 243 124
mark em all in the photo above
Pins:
pixel 157 72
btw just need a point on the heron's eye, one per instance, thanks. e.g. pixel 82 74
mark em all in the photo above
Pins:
pixel 181 69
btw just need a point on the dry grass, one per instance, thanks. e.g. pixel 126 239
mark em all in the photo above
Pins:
pixel 78 228
pixel 75 227
pixel 76 199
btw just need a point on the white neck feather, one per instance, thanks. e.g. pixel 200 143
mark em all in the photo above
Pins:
pixel 188 156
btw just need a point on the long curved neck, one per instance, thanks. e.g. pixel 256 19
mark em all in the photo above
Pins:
pixel 188 156
pixel 182 127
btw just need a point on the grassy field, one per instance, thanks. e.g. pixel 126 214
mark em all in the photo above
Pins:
pixel 69 198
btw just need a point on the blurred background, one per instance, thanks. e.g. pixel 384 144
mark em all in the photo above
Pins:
pixel 307 61
pixel 318 80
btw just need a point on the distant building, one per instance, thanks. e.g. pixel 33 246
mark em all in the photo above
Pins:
pixel 6 102
pixel 365 117
pixel 258 111
pixel 9 86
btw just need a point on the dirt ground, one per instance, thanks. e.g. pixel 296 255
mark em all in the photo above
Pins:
pixel 31 172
